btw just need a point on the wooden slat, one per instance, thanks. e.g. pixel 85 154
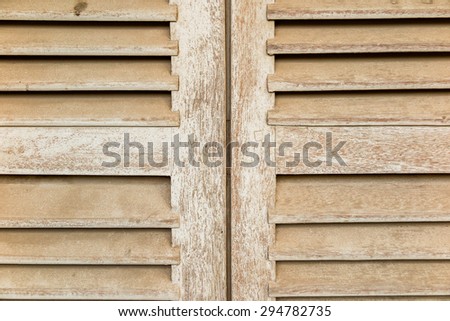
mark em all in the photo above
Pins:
pixel 408 278
pixel 369 298
pixel 85 151
pixel 360 73
pixel 79 10
pixel 358 9
pixel 364 150
pixel 393 198
pixel 360 38
pixel 85 40
pixel 94 109
pixel 86 283
pixel 350 242
pixel 362 109
pixel 88 202
pixel 99 247
pixel 86 74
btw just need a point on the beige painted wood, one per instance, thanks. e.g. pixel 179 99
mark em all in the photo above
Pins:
pixel 408 278
pixel 86 74
pixel 85 202
pixel 86 40
pixel 362 109
pixel 86 283
pixel 360 73
pixel 93 109
pixel 358 9
pixel 360 38
pixel 98 247
pixel 79 10
pixel 198 193
pixel 252 188
pixel 81 151
pixel 352 242
pixel 365 150
pixel 396 198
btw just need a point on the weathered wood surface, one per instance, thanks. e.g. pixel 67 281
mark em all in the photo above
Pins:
pixel 360 73
pixel 86 74
pixel 358 9
pixel 365 150
pixel 93 109
pixel 86 40
pixel 360 38
pixel 85 202
pixel 81 151
pixel 353 242
pixel 338 199
pixel 426 108
pixel 98 10
pixel 87 247
pixel 198 193
pixel 86 283
pixel 253 188
pixel 406 278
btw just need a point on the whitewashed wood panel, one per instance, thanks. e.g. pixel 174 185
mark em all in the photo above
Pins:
pixel 86 283
pixel 85 202
pixel 79 10
pixel 373 198
pixel 364 150
pixel 360 73
pixel 86 74
pixel 86 40
pixel 360 38
pixel 83 151
pixel 408 108
pixel 87 247
pixel 93 109
pixel 407 278
pixel 353 242
pixel 358 9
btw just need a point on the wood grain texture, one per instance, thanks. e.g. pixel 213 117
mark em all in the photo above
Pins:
pixel 85 202
pixel 407 278
pixel 86 247
pixel 353 242
pixel 369 298
pixel 358 9
pixel 365 150
pixel 360 73
pixel 81 151
pixel 88 109
pixel 86 283
pixel 98 10
pixel 392 198
pixel 86 74
pixel 362 109
pixel 253 188
pixel 360 38
pixel 198 193
pixel 86 40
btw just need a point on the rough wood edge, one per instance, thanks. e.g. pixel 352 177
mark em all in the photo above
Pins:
pixel 198 193
pixel 253 189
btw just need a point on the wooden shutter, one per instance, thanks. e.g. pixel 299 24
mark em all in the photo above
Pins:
pixel 76 75
pixel 372 74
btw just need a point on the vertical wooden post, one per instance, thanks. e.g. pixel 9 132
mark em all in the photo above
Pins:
pixel 198 193
pixel 253 188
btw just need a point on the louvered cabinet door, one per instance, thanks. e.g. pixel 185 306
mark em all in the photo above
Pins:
pixel 360 90
pixel 92 204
